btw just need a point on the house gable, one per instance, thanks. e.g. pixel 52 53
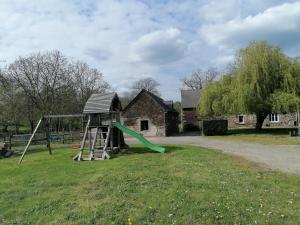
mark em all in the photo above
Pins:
pixel 144 105
pixel 158 101
pixel 150 115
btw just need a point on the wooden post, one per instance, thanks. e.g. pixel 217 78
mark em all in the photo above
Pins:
pixel 101 136
pixel 10 136
pixel 47 126
pixel 29 142
pixel 119 139
pixel 70 132
pixel 104 154
pixel 63 130
pixel 83 140
pixel 90 139
pixel 298 121
pixel 119 132
pixel 112 138
pixel 93 145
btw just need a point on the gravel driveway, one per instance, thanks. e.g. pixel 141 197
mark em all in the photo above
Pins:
pixel 278 157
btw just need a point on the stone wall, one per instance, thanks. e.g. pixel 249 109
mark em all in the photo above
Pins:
pixel 145 108
pixel 285 121
pixel 233 121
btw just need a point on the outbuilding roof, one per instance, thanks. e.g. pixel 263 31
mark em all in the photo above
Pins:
pixel 190 98
pixel 159 100
pixel 100 103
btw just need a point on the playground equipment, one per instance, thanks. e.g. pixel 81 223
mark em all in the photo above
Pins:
pixel 45 120
pixel 102 111
pixel 140 137
pixel 103 130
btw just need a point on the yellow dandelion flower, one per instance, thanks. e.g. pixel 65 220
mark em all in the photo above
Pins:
pixel 129 221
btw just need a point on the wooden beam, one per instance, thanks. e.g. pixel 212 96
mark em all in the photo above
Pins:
pixel 31 138
pixel 83 141
pixel 93 145
pixel 65 116
pixel 48 136
pixel 105 154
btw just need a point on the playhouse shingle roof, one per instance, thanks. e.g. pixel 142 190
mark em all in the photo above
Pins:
pixel 190 98
pixel 99 103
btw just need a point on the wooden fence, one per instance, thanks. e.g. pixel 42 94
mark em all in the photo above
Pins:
pixel 15 140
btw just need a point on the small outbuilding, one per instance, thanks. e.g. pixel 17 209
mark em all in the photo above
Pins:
pixel 150 115
pixel 103 109
pixel 189 116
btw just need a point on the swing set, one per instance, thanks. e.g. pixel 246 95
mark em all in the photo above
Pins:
pixel 101 112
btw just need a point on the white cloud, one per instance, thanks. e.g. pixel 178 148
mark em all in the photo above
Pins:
pixel 159 47
pixel 223 60
pixel 161 36
pixel 279 25
pixel 220 11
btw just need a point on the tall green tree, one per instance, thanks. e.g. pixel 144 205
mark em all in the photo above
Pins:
pixel 260 82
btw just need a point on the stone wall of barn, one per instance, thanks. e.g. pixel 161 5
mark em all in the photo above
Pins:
pixel 191 120
pixel 233 121
pixel 285 121
pixel 145 108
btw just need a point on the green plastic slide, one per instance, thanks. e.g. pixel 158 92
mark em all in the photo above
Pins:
pixel 140 137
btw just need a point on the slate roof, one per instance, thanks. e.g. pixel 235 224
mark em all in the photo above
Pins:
pixel 99 103
pixel 190 98
pixel 159 100
pixel 169 103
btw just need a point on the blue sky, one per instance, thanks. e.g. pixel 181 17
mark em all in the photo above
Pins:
pixel 128 40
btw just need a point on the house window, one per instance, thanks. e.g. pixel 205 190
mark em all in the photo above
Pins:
pixel 274 117
pixel 144 125
pixel 241 119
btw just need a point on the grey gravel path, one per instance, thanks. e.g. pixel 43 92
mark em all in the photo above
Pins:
pixel 285 158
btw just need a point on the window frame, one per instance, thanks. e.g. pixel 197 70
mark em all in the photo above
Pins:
pixel 243 119
pixel 274 118
pixel 141 122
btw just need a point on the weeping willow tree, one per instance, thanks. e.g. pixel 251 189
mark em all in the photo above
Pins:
pixel 215 98
pixel 262 80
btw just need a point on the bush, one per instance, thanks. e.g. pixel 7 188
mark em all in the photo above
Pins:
pixel 214 127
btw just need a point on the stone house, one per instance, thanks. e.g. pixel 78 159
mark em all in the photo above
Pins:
pixel 273 120
pixel 150 115
pixel 190 118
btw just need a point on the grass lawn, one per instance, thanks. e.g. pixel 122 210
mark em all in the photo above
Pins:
pixel 266 136
pixel 187 185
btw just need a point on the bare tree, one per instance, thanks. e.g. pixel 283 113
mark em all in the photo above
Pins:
pixel 11 104
pixel 127 97
pixel 200 78
pixel 53 85
pixel 43 78
pixel 149 84
pixel 87 81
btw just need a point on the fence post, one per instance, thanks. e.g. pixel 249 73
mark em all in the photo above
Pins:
pixel 10 137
